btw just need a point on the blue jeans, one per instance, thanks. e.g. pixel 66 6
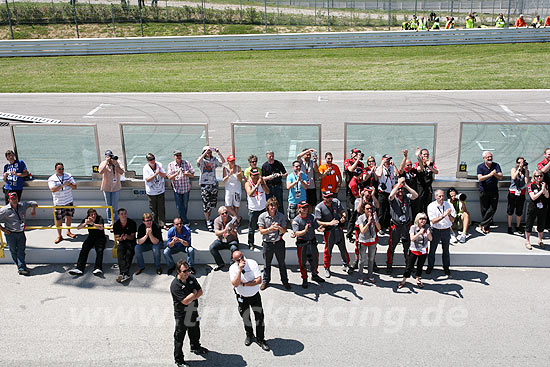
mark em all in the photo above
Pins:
pixel 140 249
pixel 111 198
pixel 277 191
pixel 17 243
pixel 182 201
pixel 169 251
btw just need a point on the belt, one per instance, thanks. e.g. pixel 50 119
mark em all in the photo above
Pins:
pixel 273 242
pixel 440 229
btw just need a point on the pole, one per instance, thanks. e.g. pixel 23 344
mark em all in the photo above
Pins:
pixel 328 15
pixel 389 16
pixel 9 18
pixel 53 13
pixel 278 14
pixel 203 19
pixel 415 6
pixel 315 15
pixel 113 18
pixel 75 19
pixel 452 7
pixel 166 6
pixel 351 14
pixel 140 19
pixel 241 13
pixel 265 15
pixel 509 6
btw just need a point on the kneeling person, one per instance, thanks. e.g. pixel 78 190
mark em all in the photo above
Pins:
pixel 96 240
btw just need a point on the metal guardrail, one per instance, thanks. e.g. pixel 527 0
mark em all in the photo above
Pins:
pixel 107 46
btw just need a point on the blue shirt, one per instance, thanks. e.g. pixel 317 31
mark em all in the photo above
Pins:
pixel 184 235
pixel 14 182
pixel 491 184
pixel 295 196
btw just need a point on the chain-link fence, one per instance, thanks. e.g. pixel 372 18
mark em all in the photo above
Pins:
pixel 102 18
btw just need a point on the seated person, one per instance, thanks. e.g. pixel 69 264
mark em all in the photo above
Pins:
pixel 149 237
pixel 179 240
pixel 96 240
pixel 462 220
pixel 225 227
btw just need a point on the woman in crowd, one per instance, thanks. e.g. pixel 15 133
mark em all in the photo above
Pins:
pixel 516 193
pixel 367 240
pixel 232 177
pixel 418 251
pixel 536 209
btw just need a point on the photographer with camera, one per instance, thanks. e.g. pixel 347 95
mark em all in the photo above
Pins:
pixel 387 177
pixel 110 171
pixel 462 219
pixel 516 193
pixel 353 168
pixel 537 208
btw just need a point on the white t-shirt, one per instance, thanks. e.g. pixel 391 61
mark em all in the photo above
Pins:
pixel 435 210
pixel 251 272
pixel 65 195
pixel 156 186
pixel 257 201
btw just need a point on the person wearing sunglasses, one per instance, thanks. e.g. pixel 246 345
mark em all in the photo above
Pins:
pixel 149 238
pixel 536 208
pixel 225 227
pixel 186 291
pixel 61 185
pixel 421 235
pixel 246 277
pixel 179 240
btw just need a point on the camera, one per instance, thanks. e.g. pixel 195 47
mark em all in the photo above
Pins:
pixel 525 164
pixel 461 196
pixel 114 157
pixel 361 156
pixel 383 186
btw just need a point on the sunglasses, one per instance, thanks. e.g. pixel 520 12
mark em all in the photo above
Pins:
pixel 253 161
pixel 185 271
pixel 178 224
pixel 147 220
pixel 239 259
pixel 538 175
pixel 224 213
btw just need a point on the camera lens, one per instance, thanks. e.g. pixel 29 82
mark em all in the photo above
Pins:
pixel 114 157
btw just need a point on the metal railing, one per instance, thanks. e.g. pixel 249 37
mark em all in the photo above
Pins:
pixel 107 46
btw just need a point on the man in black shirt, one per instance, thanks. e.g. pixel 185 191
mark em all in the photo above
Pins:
pixel 125 233
pixel 96 239
pixel 273 171
pixel 186 291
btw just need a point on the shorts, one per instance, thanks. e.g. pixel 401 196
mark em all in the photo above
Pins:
pixel 515 204
pixel 209 196
pixel 232 198
pixel 61 213
pixel 311 197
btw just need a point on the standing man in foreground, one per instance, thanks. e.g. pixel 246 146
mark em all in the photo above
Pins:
pixel 442 215
pixel 488 175
pixel 272 173
pixel 186 291
pixel 13 217
pixel 246 277
pixel 125 233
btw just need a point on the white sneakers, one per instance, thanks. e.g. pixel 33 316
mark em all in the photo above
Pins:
pixel 97 272
pixel 75 271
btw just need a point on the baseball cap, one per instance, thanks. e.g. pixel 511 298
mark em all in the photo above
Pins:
pixel 206 147
pixel 254 172
pixel 355 150
pixel 386 156
pixel 302 204
pixel 177 152
pixel 12 195
pixel 328 194
pixel 108 153
pixel 230 158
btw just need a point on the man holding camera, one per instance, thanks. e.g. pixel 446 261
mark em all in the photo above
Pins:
pixel 180 172
pixel 110 170
pixel 353 168
pixel 387 177
pixel 488 175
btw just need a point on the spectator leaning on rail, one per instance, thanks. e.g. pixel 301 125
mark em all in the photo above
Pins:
pixel 450 23
pixel 125 233
pixel 441 214
pixel 61 185
pixel 15 172
pixel 272 225
pixel 462 219
pixel 520 22
pixel 296 184
pixel 536 22
pixel 96 239
pixel 149 238
pixel 225 227
pixel 426 171
pixel 13 218
pixel 547 22
pixel 180 172
pixel 179 240
pixel 308 160
pixel 537 208
pixel 516 193
pixel 110 171
pixel 232 176
pixel 488 174
pixel 544 167
pixel 207 164
pixel 387 177
pixel 256 195
pixel 401 218
pixel 353 167
pixel 470 20
pixel 273 171
pixel 153 175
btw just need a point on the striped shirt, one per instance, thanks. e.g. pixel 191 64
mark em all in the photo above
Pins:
pixel 65 195
pixel 181 183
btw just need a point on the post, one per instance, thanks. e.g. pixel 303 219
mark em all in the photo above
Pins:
pixel 9 18
pixel 328 15
pixel 14 10
pixel 509 6
pixel 351 14
pixel 389 16
pixel 140 19
pixel 493 12
pixel 75 19
pixel 166 6
pixel 452 7
pixel 203 19
pixel 114 27
pixel 53 13
pixel 241 13
pixel 315 15
pixel 278 15
pixel 415 6
pixel 265 15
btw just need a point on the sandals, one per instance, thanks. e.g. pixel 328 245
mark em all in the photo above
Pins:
pixel 541 245
pixel 419 284
pixel 401 284
pixel 72 235
pixel 58 239
pixel 528 246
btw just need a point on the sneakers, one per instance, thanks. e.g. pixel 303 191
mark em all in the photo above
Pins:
pixel 520 230
pixel 360 281
pixel 264 286
pixel 317 278
pixel 123 278
pixel 327 273
pixel 97 272
pixel 119 278
pixel 251 246
pixel 248 340
pixel 372 280
pixel 350 269
pixel 355 265
pixel 210 226
pixel 182 364
pixel 219 267
pixel 304 283
pixel 462 238
pixel 345 268
pixel 199 350
pixel 453 238
pixel 24 272
pixel 287 286
pixel 75 271
pixel 264 345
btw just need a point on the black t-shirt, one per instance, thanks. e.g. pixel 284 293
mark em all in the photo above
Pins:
pixel 181 290
pixel 541 201
pixel 411 178
pixel 95 233
pixel 156 232
pixel 269 169
pixel 129 228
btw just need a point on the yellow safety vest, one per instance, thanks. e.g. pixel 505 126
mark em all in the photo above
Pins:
pixel 469 23
pixel 500 23
pixel 422 25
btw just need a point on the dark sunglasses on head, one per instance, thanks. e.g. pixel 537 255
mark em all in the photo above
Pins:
pixel 178 224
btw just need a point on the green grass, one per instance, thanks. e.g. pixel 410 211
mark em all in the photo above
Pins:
pixel 390 68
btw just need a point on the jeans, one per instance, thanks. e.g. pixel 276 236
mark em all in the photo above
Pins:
pixel 218 245
pixel 97 243
pixel 398 233
pixel 169 251
pixel 140 249
pixel 253 223
pixel 443 235
pixel 156 206
pixel 17 242
pixel 111 198
pixel 367 255
pixel 182 202
pixel 125 255
pixel 277 249
pixel 277 191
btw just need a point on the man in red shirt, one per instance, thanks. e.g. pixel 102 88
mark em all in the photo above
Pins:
pixel 544 166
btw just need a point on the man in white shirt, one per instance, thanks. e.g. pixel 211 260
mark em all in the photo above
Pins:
pixel 246 277
pixel 61 185
pixel 153 175
pixel 442 215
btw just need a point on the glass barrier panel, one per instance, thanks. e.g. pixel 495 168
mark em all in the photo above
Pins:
pixel 161 140
pixel 286 141
pixel 41 146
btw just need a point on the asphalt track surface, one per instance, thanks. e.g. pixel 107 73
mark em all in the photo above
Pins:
pixel 478 317
pixel 330 109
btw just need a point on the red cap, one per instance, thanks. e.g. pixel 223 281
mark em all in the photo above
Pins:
pixel 302 204
pixel 230 158
pixel 12 195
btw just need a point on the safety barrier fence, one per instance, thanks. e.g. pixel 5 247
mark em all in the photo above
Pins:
pixel 103 46
pixel 3 243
